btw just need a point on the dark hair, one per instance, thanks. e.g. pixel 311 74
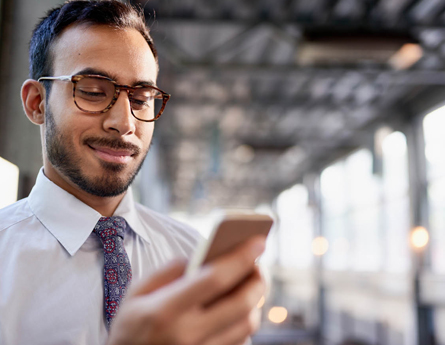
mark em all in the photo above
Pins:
pixel 112 13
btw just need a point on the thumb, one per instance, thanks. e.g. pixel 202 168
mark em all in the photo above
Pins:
pixel 162 277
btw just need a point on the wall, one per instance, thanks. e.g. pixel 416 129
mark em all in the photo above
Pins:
pixel 19 138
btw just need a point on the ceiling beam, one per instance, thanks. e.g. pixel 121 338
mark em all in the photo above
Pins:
pixel 384 25
pixel 295 102
pixel 382 76
pixel 234 41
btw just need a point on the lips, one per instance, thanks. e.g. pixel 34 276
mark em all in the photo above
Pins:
pixel 112 156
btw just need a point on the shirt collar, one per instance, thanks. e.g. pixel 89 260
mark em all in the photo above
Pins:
pixel 127 209
pixel 71 221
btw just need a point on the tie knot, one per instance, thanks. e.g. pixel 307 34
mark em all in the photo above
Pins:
pixel 110 227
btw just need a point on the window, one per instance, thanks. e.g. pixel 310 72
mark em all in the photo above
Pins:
pixel 351 219
pixel 365 217
pixel 396 208
pixel 9 181
pixel 335 207
pixel 295 228
pixel 433 126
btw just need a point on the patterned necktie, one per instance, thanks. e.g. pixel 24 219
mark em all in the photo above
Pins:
pixel 117 269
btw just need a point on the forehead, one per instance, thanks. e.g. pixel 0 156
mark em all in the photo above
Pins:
pixel 123 53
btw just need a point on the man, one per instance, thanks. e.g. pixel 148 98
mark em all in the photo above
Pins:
pixel 69 251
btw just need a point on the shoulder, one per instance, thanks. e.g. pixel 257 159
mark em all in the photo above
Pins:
pixel 14 214
pixel 168 227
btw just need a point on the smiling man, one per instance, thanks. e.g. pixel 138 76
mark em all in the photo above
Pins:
pixel 87 157
pixel 69 252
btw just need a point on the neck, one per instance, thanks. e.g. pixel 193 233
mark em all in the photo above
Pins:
pixel 104 205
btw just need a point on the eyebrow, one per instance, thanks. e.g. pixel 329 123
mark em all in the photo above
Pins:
pixel 95 71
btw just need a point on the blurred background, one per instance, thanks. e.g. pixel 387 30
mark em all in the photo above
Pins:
pixel 325 113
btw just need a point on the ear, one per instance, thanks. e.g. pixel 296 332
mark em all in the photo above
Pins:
pixel 33 100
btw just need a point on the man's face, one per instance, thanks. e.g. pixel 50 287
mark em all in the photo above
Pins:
pixel 98 153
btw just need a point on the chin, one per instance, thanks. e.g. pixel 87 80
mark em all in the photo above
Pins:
pixel 112 180
pixel 105 185
pixel 113 167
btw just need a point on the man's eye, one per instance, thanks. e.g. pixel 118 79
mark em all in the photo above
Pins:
pixel 92 93
pixel 140 104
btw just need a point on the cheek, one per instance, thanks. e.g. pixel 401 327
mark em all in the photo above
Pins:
pixel 145 133
pixel 61 97
pixel 65 114
pixel 68 119
pixel 72 128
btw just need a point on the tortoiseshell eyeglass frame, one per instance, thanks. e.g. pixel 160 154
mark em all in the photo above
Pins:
pixel 117 89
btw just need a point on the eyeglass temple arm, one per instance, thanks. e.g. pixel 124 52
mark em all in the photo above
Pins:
pixel 62 77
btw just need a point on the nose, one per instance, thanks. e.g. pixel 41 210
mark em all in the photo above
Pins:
pixel 120 118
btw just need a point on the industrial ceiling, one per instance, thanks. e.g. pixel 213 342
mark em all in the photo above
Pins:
pixel 265 91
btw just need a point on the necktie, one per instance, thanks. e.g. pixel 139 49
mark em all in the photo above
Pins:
pixel 117 269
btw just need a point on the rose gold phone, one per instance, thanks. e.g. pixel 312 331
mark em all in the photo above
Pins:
pixel 229 233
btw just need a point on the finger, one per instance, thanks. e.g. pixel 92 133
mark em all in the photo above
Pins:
pixel 216 278
pixel 162 277
pixel 224 314
pixel 239 333
pixel 236 306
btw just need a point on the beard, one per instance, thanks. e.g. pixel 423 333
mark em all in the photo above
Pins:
pixel 111 182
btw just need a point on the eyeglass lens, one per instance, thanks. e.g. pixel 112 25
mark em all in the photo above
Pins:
pixel 95 95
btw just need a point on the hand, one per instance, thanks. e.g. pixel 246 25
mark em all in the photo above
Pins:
pixel 216 306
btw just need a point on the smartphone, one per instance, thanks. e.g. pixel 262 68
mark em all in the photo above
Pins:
pixel 226 235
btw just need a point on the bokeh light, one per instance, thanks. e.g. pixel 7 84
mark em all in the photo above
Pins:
pixel 277 314
pixel 419 237
pixel 320 246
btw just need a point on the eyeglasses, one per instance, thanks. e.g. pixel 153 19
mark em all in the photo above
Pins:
pixel 96 94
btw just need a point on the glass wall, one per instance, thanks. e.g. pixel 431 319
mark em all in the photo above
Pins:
pixel 350 209
pixel 396 204
pixel 366 215
pixel 295 228
pixel 433 126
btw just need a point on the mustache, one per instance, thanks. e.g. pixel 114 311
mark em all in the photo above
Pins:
pixel 115 144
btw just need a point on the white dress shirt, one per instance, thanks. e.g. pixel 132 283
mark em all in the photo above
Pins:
pixel 51 265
